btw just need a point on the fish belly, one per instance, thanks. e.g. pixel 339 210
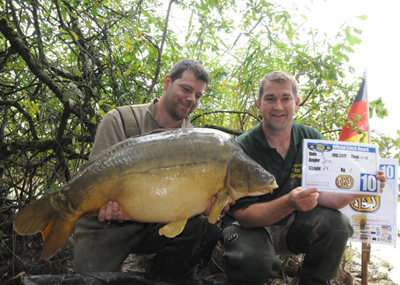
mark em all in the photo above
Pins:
pixel 168 194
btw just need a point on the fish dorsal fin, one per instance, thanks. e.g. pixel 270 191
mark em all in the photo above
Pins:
pixel 173 229
pixel 218 206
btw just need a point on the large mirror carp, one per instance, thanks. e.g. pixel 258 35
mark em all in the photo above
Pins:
pixel 166 177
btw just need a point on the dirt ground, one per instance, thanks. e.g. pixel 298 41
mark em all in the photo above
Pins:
pixel 350 273
pixel 19 267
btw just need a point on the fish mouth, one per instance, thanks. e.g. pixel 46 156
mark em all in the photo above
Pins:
pixel 263 190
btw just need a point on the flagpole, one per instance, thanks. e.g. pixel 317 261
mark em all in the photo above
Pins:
pixel 358 115
pixel 366 247
pixel 366 96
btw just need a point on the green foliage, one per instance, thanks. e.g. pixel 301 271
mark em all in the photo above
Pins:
pixel 74 60
pixel 379 107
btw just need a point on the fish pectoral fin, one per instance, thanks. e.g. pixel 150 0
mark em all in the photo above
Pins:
pixel 218 206
pixel 173 229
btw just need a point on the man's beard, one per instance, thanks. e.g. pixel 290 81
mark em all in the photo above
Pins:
pixel 175 113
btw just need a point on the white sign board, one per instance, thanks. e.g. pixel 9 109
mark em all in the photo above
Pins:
pixel 344 167
pixel 374 219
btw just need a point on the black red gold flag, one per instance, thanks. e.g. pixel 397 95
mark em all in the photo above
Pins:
pixel 355 128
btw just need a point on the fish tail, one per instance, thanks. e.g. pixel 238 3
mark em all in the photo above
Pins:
pixel 40 216
pixel 34 217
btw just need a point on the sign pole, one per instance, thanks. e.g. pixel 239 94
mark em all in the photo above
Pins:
pixel 366 247
pixel 365 258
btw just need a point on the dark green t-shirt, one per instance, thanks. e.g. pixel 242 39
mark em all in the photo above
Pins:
pixel 287 171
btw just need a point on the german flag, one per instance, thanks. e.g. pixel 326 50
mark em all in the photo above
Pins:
pixel 355 128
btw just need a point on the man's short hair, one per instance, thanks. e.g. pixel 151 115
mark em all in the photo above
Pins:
pixel 280 77
pixel 187 64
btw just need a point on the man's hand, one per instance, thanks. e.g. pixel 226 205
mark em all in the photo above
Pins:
pixel 303 199
pixel 382 182
pixel 110 213
pixel 382 179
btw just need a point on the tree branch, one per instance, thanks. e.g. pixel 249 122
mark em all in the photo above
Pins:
pixel 7 149
pixel 158 67
pixel 225 130
pixel 8 32
pixel 224 112
pixel 36 24
pixel 25 114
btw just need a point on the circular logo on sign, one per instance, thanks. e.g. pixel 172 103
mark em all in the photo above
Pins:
pixel 369 204
pixel 344 181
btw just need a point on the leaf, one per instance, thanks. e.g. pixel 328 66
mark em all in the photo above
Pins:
pixel 127 45
pixel 281 46
pixel 74 35
pixel 348 49
pixel 94 11
pixel 34 107
pixel 88 25
pixel 350 39
pixel 138 33
pixel 52 188
pixel 336 49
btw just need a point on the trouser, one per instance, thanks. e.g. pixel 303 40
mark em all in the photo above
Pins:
pixel 321 234
pixel 99 247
